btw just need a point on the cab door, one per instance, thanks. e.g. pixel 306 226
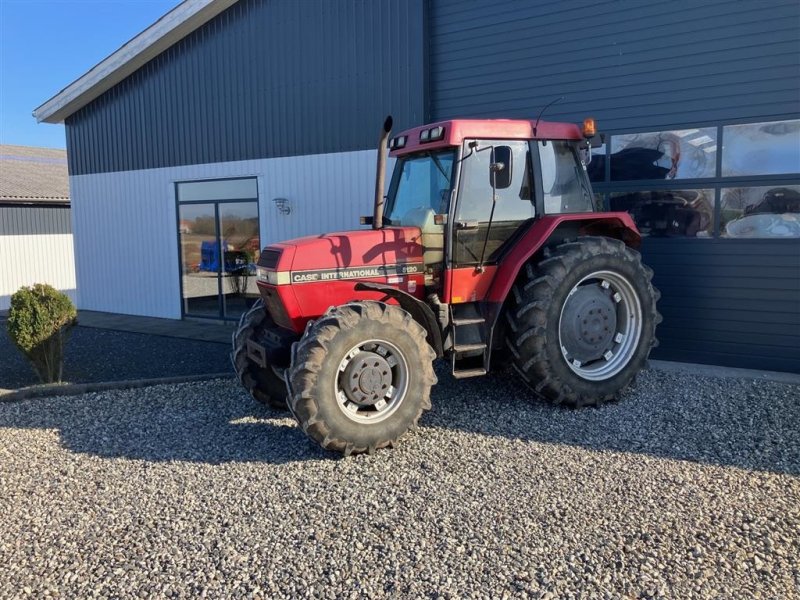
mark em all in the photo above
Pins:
pixel 474 242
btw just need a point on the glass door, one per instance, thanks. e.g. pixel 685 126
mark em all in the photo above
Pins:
pixel 219 246
pixel 238 224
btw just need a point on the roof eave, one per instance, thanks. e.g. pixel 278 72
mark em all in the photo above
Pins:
pixel 168 30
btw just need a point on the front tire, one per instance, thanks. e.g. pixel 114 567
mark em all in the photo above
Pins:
pixel 361 377
pixel 581 323
pixel 264 385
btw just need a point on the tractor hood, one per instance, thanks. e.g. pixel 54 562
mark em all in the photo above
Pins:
pixel 362 254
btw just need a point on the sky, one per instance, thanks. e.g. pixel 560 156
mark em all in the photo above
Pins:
pixel 46 44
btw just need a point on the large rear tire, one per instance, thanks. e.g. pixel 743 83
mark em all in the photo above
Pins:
pixel 582 321
pixel 264 385
pixel 361 377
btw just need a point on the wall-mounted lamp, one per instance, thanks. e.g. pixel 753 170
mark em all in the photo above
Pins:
pixel 283 205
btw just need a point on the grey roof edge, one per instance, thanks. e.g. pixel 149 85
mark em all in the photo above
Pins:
pixel 168 30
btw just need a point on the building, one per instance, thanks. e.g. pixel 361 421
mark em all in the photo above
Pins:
pixel 35 227
pixel 227 125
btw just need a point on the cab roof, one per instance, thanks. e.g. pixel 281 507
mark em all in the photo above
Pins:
pixel 458 130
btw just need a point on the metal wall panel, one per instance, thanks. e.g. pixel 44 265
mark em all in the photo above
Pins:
pixel 728 302
pixel 32 220
pixel 126 229
pixel 632 65
pixel 263 79
pixel 31 258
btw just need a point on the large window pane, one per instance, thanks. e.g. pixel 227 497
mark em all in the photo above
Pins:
pixel 761 212
pixel 669 213
pixel 241 248
pixel 680 154
pixel 761 148
pixel 200 262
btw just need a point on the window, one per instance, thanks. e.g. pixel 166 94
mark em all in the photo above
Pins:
pixel 669 213
pixel 563 179
pixel 761 148
pixel 514 204
pixel 679 154
pixel 749 180
pixel 420 181
pixel 761 212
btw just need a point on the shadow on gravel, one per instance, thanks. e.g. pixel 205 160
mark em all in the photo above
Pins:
pixel 739 423
pixel 210 422
pixel 753 425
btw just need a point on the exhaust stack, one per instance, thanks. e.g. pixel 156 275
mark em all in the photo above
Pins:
pixel 380 177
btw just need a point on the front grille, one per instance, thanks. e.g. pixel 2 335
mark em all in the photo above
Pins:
pixel 269 259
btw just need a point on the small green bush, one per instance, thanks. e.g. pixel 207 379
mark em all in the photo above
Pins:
pixel 39 320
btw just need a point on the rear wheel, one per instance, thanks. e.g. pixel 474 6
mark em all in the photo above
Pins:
pixel 265 385
pixel 582 321
pixel 361 377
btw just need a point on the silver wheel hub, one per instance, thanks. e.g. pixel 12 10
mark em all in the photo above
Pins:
pixel 372 381
pixel 367 378
pixel 588 323
pixel 600 325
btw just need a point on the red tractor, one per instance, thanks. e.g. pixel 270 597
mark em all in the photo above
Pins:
pixel 487 251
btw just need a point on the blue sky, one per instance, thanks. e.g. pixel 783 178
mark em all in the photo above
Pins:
pixel 47 44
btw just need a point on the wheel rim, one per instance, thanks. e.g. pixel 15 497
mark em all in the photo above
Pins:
pixel 600 325
pixel 372 381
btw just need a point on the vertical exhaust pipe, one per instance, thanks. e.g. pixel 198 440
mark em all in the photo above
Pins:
pixel 380 176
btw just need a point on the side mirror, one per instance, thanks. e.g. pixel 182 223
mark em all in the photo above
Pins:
pixel 500 167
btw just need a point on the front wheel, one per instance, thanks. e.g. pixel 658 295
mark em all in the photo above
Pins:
pixel 582 321
pixel 361 377
pixel 265 385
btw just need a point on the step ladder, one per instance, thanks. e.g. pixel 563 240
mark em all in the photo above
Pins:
pixel 468 330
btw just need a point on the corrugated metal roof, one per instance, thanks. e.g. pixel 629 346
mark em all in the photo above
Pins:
pixel 30 175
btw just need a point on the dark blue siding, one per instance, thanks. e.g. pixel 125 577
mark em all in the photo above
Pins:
pixel 263 79
pixel 632 65
pixel 728 302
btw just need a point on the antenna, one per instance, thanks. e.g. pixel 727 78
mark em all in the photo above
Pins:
pixel 541 112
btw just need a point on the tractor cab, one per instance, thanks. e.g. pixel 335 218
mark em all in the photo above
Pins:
pixel 473 187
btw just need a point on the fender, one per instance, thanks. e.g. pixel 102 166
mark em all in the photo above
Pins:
pixel 619 225
pixel 420 311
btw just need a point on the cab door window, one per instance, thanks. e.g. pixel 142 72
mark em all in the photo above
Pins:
pixel 514 204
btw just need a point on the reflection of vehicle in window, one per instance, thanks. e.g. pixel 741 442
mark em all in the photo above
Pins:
pixel 234 260
pixel 668 212
pixel 776 215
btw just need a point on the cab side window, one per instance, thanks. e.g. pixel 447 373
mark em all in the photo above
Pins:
pixel 562 173
pixel 514 204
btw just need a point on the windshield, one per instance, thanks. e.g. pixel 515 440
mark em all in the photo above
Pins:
pixel 421 180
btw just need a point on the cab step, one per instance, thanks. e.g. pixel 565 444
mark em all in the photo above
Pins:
pixel 469 373
pixel 461 348
pixel 469 321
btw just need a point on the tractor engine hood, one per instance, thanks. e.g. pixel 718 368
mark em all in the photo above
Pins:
pixel 347 255
pixel 299 279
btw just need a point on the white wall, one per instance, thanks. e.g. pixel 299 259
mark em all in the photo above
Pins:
pixel 36 258
pixel 125 223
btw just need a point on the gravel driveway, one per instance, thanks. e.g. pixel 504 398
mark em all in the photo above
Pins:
pixel 689 487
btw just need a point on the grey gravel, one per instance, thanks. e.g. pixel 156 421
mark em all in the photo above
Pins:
pixel 688 487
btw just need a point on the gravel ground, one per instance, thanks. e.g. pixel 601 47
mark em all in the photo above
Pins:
pixel 105 355
pixel 689 487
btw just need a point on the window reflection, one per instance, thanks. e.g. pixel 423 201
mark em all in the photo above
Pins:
pixel 761 148
pixel 761 212
pixel 669 213
pixel 680 154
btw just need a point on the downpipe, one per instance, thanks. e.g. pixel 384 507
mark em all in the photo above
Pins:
pixel 380 176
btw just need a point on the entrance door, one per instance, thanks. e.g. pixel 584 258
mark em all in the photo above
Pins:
pixel 219 245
